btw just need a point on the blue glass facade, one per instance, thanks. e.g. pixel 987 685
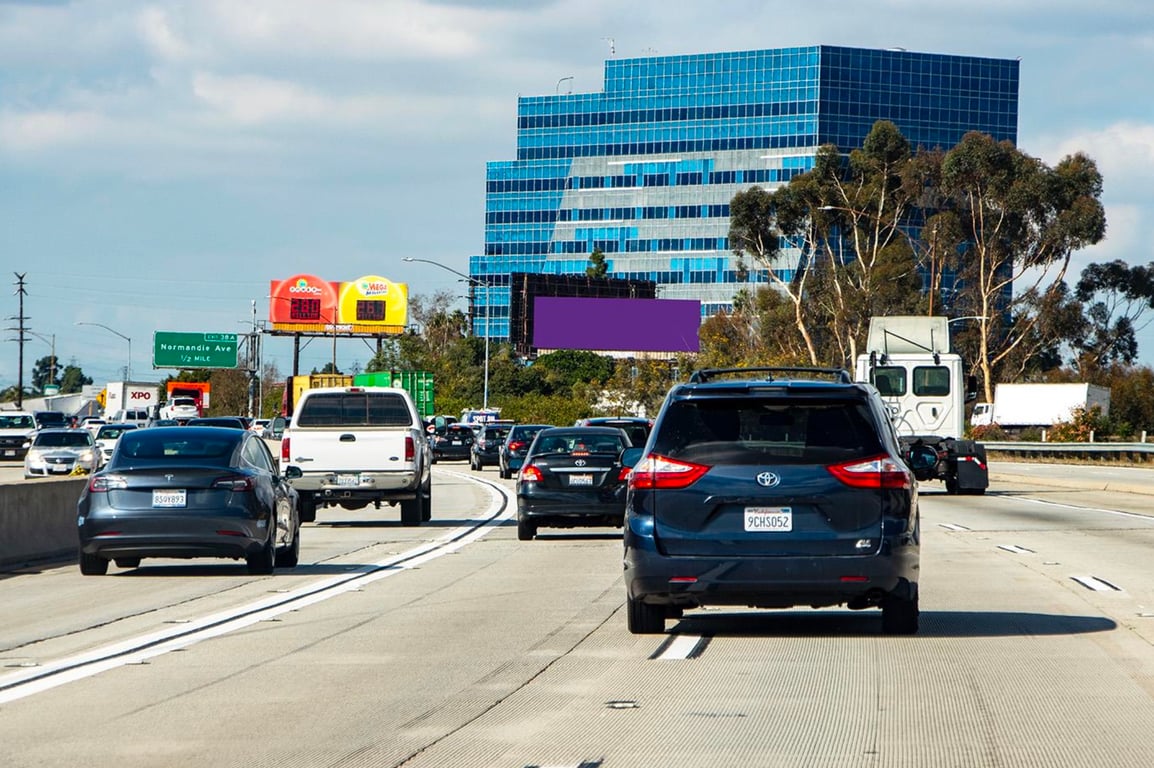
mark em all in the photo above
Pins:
pixel 645 169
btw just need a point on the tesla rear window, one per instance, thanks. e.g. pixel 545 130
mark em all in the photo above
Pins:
pixel 760 430
pixel 342 409
pixel 144 444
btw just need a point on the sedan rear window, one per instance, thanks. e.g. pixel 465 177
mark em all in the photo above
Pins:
pixel 183 446
pixel 341 409
pixel 765 430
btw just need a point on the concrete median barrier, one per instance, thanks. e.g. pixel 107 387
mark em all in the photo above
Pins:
pixel 38 520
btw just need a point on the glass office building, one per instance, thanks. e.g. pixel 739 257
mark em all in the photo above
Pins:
pixel 645 169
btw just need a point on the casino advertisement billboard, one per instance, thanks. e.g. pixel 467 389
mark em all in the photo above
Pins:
pixel 307 304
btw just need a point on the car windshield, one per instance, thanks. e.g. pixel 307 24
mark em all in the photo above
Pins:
pixel 17 422
pixel 183 445
pixel 111 433
pixel 63 439
pixel 761 430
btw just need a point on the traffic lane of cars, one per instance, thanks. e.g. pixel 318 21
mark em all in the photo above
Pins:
pixel 572 685
pixel 55 617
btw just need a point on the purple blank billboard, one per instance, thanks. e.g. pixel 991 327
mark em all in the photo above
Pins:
pixel 627 325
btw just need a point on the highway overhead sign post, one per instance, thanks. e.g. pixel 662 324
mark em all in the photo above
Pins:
pixel 194 350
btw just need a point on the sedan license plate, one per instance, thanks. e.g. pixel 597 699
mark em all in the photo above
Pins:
pixel 10 453
pixel 169 498
pixel 584 480
pixel 60 468
pixel 769 519
pixel 348 480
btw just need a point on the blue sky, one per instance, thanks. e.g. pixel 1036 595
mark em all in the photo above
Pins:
pixel 162 161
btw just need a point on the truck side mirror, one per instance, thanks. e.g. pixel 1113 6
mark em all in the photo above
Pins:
pixel 971 388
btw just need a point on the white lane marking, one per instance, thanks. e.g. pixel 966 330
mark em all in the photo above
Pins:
pixel 1096 584
pixel 138 650
pixel 1134 515
pixel 1016 549
pixel 953 527
pixel 681 647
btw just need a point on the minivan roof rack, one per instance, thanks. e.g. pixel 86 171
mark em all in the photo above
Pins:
pixel 708 374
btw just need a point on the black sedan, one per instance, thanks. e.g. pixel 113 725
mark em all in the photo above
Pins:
pixel 453 443
pixel 573 476
pixel 186 492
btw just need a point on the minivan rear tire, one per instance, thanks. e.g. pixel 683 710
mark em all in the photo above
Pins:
pixel 900 616
pixel 645 619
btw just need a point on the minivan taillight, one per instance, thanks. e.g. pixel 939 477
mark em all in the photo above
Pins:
pixel 661 472
pixel 874 472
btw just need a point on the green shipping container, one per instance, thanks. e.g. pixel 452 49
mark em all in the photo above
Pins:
pixel 419 385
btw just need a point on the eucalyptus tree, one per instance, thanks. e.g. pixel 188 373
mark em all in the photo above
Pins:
pixel 1022 221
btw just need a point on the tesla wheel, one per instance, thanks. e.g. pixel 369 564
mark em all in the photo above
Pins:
pixel 899 616
pixel 127 562
pixel 263 562
pixel 411 511
pixel 93 565
pixel 526 529
pixel 288 557
pixel 645 619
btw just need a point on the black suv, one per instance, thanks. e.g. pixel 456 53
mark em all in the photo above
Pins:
pixel 772 492
pixel 636 427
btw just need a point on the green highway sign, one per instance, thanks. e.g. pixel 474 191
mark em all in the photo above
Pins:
pixel 193 350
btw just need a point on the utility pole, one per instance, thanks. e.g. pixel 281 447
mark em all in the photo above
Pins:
pixel 20 340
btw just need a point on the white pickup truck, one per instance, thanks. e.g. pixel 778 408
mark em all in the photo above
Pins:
pixel 350 446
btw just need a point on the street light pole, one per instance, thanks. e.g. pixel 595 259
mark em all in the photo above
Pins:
pixel 52 365
pixel 127 368
pixel 472 281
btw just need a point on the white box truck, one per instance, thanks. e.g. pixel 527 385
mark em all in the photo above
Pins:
pixel 124 396
pixel 1021 406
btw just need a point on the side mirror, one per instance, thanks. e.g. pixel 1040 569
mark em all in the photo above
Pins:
pixel 921 458
pixel 292 473
pixel 630 456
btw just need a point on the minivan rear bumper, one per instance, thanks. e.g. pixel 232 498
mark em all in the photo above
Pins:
pixel 768 582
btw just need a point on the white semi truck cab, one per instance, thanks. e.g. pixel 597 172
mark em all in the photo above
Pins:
pixel 908 360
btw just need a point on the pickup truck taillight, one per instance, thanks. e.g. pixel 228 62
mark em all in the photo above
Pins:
pixel 284 448
pixel 410 449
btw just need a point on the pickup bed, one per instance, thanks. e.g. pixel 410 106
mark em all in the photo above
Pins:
pixel 352 446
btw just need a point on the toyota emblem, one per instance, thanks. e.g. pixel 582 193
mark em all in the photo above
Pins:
pixel 580 462
pixel 768 479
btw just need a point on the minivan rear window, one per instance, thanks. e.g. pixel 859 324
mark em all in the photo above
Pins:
pixel 767 430
pixel 367 409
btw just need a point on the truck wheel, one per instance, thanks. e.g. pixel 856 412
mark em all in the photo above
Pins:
pixel 411 511
pixel 427 502
pixel 307 506
pixel 951 485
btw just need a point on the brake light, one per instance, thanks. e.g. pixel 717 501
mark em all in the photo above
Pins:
pixel 623 475
pixel 661 472
pixel 531 474
pixel 410 449
pixel 234 483
pixel 102 483
pixel 876 472
pixel 284 448
pixel 516 445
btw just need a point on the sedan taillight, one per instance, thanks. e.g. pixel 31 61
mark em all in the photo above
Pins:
pixel 531 474
pixel 102 483
pixel 875 472
pixel 234 483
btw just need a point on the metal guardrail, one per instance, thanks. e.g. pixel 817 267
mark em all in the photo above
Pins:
pixel 1141 451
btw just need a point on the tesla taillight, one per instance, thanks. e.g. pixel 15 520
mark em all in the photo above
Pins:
pixel 661 472
pixel 234 483
pixel 102 483
pixel 874 472
pixel 531 474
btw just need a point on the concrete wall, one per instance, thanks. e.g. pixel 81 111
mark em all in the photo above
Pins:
pixel 38 519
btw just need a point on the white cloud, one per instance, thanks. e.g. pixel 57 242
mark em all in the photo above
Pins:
pixel 39 130
pixel 156 28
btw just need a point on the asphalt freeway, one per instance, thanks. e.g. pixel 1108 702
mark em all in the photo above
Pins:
pixel 453 644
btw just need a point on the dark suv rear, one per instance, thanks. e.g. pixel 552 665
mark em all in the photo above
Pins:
pixel 772 492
